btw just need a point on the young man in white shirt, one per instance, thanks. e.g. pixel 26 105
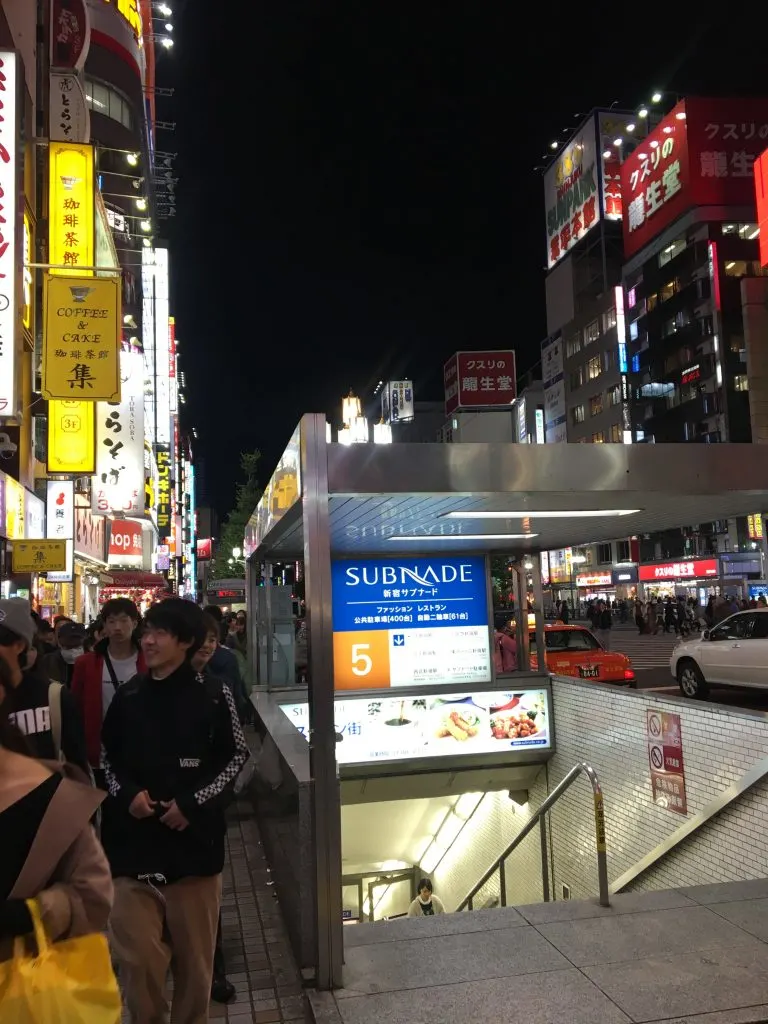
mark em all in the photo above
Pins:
pixel 97 675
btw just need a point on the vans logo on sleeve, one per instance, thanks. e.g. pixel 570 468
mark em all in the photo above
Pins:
pixel 189 762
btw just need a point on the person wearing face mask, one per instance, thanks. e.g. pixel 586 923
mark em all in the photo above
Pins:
pixel 59 665
pixel 43 711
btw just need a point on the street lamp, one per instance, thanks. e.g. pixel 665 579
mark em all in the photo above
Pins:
pixel 236 552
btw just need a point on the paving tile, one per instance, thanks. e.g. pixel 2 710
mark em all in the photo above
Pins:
pixel 659 988
pixel 558 996
pixel 727 892
pixel 751 915
pixel 395 966
pixel 606 940
pixel 746 1015
pixel 622 903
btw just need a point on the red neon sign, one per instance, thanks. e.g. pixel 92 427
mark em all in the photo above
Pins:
pixel 685 569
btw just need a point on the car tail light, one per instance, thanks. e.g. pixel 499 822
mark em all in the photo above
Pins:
pixel 629 675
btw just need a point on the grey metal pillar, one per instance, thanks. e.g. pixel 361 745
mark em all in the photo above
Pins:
pixel 252 577
pixel 522 632
pixel 269 636
pixel 326 806
pixel 538 608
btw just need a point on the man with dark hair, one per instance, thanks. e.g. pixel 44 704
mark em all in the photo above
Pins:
pixel 173 747
pixel 224 664
pixel 97 675
pixel 59 664
pixel 43 711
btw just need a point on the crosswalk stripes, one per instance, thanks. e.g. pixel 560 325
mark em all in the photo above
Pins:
pixel 644 651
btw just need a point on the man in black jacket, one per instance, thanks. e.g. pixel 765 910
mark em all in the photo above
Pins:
pixel 31 696
pixel 173 747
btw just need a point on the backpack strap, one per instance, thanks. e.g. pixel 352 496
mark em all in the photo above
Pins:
pixel 54 712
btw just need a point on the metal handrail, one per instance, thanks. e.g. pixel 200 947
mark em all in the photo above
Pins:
pixel 554 796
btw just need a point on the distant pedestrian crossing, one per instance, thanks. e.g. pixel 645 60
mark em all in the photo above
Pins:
pixel 644 651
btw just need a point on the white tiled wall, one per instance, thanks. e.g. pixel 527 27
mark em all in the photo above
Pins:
pixel 607 729
pixel 491 829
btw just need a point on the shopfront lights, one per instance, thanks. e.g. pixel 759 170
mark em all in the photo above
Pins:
pixel 145 225
pixel 631 127
pixel 656 98
pixel 165 10
pixel 132 159
pixel 607 154
pixel 680 115
pixel 141 204
pixel 618 142
pixel 166 42
pixel 147 243
pixel 168 27
pixel 591 513
pixel 642 112
pixel 654 144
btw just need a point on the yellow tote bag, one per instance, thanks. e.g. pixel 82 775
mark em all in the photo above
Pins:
pixel 68 982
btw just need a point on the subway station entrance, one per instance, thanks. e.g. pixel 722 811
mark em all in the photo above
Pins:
pixel 395 542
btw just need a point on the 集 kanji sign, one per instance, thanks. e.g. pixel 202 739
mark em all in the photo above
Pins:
pixel 39 555
pixel 480 380
pixel 665 760
pixel 81 350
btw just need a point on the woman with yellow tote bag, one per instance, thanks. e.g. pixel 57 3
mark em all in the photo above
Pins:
pixel 55 891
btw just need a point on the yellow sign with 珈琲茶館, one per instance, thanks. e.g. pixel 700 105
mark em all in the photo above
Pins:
pixel 71 208
pixel 81 347
pixel 39 556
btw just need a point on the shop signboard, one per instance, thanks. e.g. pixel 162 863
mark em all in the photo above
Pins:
pixel 70 34
pixel 81 353
pixel 60 523
pixel 665 760
pixel 126 544
pixel 480 380
pixel 623 575
pixel 761 195
pixel 118 485
pixel 685 569
pixel 701 154
pixel 204 549
pixel 283 491
pixel 71 208
pixel 15 503
pixel 10 134
pixel 397 401
pixel 164 503
pixel 69 118
pixel 34 517
pixel 553 376
pixel 434 725
pixel 90 535
pixel 39 555
pixel 595 579
pixel 755 526
pixel 71 438
pixel 406 621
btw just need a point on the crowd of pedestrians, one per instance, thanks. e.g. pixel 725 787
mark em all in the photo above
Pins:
pixel 120 746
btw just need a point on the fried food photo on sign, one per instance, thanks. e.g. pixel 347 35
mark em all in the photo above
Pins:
pixel 462 725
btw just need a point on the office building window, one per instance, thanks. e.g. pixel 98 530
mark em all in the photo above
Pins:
pixel 604 554
pixel 614 395
pixel 609 358
pixel 577 414
pixel 577 378
pixel 595 405
pixel 633 330
pixel 741 382
pixel 573 345
pixel 594 368
pixel 103 99
pixel 609 320
pixel 616 433
pixel 631 298
pixel 623 551
pixel 599 437
pixel 591 332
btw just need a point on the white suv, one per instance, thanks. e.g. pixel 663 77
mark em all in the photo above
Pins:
pixel 732 653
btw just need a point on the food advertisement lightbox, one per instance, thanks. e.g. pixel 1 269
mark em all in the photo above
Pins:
pixel 434 725
pixel 410 621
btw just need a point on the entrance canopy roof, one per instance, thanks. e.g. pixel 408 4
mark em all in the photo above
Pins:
pixel 393 498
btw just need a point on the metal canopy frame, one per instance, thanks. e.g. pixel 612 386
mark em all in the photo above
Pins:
pixel 353 500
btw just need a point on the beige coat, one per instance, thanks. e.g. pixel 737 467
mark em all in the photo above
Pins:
pixel 66 868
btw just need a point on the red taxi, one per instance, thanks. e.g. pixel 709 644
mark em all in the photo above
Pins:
pixel 575 651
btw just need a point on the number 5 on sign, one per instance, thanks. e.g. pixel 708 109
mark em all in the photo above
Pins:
pixel 361 660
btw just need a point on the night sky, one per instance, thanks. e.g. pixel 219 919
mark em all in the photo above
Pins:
pixel 357 193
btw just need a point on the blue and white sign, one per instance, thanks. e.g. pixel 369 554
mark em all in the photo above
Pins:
pixel 404 621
